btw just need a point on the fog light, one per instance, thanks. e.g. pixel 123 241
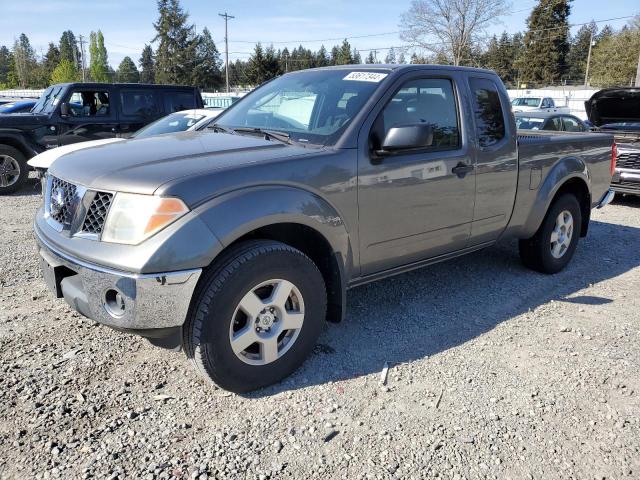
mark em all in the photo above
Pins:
pixel 114 303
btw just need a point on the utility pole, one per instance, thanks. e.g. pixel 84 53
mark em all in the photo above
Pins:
pixel 586 73
pixel 82 58
pixel 226 46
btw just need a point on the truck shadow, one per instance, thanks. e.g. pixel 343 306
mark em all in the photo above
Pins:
pixel 419 314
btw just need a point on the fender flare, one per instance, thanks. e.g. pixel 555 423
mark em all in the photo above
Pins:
pixel 15 138
pixel 564 170
pixel 235 214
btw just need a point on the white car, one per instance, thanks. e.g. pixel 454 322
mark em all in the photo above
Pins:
pixel 197 119
pixel 536 104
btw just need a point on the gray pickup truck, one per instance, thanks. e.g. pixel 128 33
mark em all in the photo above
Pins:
pixel 237 243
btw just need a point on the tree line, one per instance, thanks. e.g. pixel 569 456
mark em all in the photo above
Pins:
pixel 545 54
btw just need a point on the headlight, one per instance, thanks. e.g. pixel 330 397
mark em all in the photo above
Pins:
pixel 133 218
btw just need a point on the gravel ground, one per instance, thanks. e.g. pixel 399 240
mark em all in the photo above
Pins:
pixel 494 372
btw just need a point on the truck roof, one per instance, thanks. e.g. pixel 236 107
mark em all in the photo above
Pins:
pixel 398 67
pixel 134 85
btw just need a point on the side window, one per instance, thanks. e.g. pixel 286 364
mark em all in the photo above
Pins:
pixel 553 124
pixel 488 112
pixel 89 104
pixel 176 101
pixel 571 124
pixel 139 103
pixel 425 101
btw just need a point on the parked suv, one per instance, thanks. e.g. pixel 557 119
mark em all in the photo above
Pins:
pixel 76 112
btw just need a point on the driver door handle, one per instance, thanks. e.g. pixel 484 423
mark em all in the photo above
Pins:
pixel 461 169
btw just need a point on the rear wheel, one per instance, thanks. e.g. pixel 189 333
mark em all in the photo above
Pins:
pixel 555 242
pixel 256 317
pixel 13 169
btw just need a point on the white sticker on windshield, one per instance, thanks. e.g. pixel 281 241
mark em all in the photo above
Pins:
pixel 366 76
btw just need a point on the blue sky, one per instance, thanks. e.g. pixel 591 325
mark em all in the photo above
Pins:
pixel 127 24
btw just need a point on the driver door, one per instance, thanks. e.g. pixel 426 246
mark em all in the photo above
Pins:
pixel 413 205
pixel 91 116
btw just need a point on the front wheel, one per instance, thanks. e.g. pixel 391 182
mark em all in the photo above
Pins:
pixel 13 169
pixel 555 242
pixel 256 316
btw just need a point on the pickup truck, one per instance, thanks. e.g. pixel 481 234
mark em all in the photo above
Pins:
pixel 236 244
pixel 537 105
pixel 617 111
pixel 69 113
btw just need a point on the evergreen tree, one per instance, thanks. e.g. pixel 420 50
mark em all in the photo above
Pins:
pixel 68 48
pixel 24 61
pixel 335 55
pixel 401 59
pixel 66 71
pixel 99 64
pixel 322 58
pixel 127 71
pixel 147 65
pixel 391 56
pixel 256 71
pixel 206 72
pixel 355 57
pixel 6 62
pixel 578 52
pixel 344 56
pixel 370 58
pixel 546 43
pixel 177 44
pixel 51 59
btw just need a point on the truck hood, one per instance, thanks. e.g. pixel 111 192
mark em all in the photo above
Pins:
pixel 614 106
pixel 142 165
pixel 22 120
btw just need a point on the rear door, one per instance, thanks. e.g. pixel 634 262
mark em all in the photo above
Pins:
pixel 177 100
pixel 413 205
pixel 92 115
pixel 496 158
pixel 138 107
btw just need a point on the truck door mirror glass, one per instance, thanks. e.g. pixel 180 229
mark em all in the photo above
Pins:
pixel 64 109
pixel 407 137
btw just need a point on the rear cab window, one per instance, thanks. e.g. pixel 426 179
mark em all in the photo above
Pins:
pixel 488 112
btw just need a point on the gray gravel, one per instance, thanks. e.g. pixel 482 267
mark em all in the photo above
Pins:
pixel 494 372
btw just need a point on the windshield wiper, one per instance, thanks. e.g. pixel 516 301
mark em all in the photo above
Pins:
pixel 283 137
pixel 216 127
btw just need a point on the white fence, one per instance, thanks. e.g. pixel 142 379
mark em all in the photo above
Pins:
pixel 573 97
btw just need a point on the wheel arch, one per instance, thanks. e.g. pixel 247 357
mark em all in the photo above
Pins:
pixel 570 175
pixel 292 216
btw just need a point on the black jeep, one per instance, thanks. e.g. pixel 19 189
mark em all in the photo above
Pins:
pixel 76 112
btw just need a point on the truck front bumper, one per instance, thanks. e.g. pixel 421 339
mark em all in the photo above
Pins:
pixel 152 305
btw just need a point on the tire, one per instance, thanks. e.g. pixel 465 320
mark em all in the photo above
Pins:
pixel 13 170
pixel 218 316
pixel 539 252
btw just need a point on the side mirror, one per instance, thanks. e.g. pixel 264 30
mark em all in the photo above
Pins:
pixel 407 137
pixel 64 109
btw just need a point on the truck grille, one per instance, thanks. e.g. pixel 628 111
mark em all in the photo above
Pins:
pixel 97 213
pixel 628 160
pixel 62 201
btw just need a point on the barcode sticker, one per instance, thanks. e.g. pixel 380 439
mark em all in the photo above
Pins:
pixel 366 76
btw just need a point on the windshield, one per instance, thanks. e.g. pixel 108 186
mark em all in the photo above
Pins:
pixel 525 102
pixel 529 123
pixel 176 122
pixel 312 107
pixel 49 100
